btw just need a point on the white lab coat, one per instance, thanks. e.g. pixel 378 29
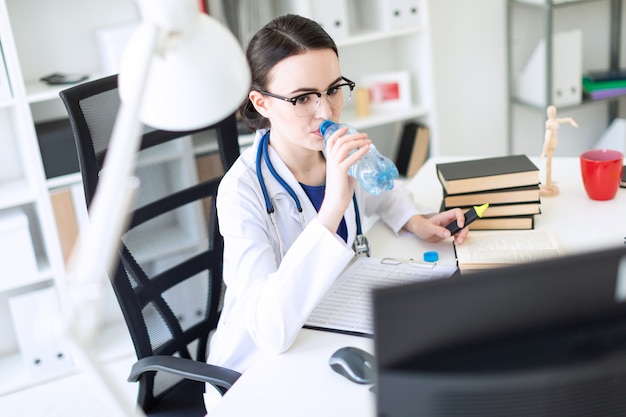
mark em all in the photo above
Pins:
pixel 270 294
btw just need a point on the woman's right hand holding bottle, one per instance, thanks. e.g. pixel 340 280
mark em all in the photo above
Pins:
pixel 342 151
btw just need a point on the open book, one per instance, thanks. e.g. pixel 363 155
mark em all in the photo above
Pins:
pixel 490 249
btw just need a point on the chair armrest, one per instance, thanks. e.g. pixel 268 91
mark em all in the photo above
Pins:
pixel 186 368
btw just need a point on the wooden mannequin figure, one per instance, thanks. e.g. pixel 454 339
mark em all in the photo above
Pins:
pixel 551 139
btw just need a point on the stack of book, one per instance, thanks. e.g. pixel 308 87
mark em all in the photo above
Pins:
pixel 599 85
pixel 510 184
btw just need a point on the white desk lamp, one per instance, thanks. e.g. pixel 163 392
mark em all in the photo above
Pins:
pixel 181 70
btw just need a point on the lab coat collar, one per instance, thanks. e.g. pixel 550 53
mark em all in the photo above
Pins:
pixel 276 191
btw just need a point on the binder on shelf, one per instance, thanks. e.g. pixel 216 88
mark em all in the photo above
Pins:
pixel 411 13
pixel 66 220
pixel 566 72
pixel 209 166
pixel 111 42
pixel 40 333
pixel 333 16
pixel 413 150
pixel 389 15
pixel 17 254
pixel 57 147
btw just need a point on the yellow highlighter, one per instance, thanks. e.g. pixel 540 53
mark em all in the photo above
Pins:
pixel 472 214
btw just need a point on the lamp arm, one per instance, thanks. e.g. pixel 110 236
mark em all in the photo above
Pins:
pixel 96 249
pixel 97 246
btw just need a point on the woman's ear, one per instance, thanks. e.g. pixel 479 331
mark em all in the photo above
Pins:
pixel 259 102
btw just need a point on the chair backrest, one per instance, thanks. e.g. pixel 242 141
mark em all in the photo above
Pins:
pixel 169 278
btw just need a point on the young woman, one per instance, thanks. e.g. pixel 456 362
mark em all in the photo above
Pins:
pixel 287 207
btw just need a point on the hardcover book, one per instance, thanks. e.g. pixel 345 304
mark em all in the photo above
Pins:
pixel 525 194
pixel 589 85
pixel 526 222
pixel 487 174
pixel 501 210
pixel 607 93
pixel 607 75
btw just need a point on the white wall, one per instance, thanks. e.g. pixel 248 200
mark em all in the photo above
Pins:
pixel 469 42
pixel 469 65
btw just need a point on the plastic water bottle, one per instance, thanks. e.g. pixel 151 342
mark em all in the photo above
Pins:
pixel 374 171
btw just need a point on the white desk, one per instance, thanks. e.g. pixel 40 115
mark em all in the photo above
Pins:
pixel 299 382
pixel 578 222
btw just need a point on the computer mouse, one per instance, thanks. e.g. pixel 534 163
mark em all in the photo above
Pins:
pixel 355 364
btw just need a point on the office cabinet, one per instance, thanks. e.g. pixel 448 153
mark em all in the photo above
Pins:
pixel 37 38
pixel 546 67
pixel 24 202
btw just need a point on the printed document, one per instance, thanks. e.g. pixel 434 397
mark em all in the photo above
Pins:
pixel 347 306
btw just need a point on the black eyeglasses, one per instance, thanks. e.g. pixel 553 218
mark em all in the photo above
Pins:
pixel 306 104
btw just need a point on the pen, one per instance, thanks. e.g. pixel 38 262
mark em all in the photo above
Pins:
pixel 470 215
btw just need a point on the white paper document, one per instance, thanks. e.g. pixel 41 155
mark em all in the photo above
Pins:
pixel 347 306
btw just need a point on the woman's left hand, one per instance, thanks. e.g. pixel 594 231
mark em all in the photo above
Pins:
pixel 433 229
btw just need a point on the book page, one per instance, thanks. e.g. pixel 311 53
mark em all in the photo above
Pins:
pixel 506 247
pixel 347 305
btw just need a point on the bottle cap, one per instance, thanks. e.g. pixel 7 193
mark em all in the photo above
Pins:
pixel 431 256
pixel 325 125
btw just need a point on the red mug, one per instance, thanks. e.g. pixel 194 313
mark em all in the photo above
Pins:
pixel 601 171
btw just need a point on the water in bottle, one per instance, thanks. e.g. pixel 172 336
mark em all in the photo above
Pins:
pixel 374 171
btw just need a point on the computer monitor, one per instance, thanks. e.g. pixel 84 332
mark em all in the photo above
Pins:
pixel 537 339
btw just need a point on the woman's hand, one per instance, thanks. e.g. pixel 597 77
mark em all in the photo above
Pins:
pixel 340 185
pixel 433 229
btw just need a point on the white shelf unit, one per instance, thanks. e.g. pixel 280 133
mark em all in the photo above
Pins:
pixel 184 230
pixel 41 37
pixel 22 187
pixel 38 91
pixel 373 46
pixel 600 23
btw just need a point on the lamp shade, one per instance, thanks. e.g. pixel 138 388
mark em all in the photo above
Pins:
pixel 198 73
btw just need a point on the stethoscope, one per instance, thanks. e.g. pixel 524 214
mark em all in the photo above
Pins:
pixel 360 246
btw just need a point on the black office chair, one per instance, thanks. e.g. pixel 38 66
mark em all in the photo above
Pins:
pixel 168 281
